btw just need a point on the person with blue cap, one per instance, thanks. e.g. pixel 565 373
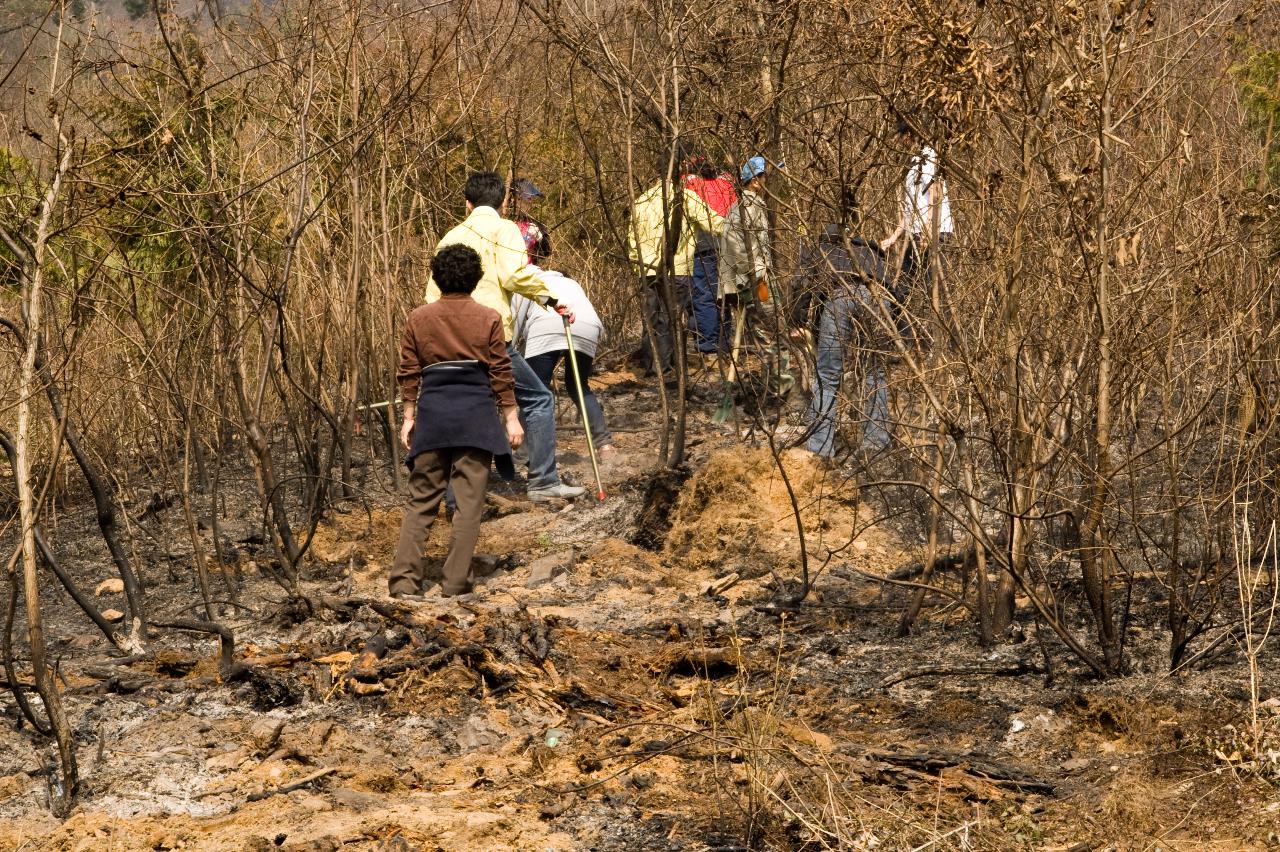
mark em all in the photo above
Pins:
pixel 746 258
pixel 746 251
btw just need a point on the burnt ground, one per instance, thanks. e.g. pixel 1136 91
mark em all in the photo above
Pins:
pixel 621 705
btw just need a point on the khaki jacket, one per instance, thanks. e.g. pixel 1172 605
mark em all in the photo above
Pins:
pixel 746 255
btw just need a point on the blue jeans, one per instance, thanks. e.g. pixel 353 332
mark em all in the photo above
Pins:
pixel 538 413
pixel 845 322
pixel 545 366
pixel 704 313
pixel 696 295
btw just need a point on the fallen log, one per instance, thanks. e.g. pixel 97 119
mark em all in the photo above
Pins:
pixel 428 660
pixel 499 506
pixel 712 588
pixel 949 562
pixel 708 662
pixel 174 663
pixel 576 696
pixel 1011 669
pixel 363 688
pixel 115 680
pixel 846 570
pixel 399 613
pixel 978 765
pixel 122 661
pixel 226 639
pixel 283 659
pixel 267 688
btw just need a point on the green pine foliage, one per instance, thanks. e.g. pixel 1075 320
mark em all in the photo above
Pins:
pixel 14 198
pixel 1259 78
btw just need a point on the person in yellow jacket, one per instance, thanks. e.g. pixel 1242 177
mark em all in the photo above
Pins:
pixel 656 215
pixel 505 262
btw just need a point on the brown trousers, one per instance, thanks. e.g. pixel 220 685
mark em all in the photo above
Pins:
pixel 467 470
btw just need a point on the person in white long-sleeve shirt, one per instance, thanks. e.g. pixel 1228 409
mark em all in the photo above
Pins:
pixel 539 336
pixel 924 197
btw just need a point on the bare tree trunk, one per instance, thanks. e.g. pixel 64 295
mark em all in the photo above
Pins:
pixel 18 689
pixel 674 225
pixel 390 277
pixel 32 300
pixel 1017 450
pixel 197 546
pixel 974 507
pixel 1095 546
pixel 912 612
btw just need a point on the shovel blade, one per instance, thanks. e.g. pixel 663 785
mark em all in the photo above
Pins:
pixel 725 410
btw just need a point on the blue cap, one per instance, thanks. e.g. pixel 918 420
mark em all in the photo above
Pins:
pixel 525 188
pixel 754 167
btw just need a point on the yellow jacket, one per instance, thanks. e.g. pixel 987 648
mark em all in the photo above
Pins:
pixel 645 231
pixel 504 259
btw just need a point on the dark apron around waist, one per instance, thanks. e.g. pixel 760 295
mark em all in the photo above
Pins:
pixel 456 409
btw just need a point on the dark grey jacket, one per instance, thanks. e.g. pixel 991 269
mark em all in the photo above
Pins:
pixel 831 264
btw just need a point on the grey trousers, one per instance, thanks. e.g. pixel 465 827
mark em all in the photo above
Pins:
pixel 467 470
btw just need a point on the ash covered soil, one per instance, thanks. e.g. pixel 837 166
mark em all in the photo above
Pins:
pixel 613 686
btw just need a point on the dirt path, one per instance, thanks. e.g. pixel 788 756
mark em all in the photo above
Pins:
pixel 620 704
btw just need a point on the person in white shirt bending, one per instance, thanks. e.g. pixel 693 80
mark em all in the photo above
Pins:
pixel 539 335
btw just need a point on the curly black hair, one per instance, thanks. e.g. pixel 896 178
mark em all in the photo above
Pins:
pixel 485 189
pixel 456 269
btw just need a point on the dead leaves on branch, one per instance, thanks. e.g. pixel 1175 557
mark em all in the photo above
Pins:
pixel 957 77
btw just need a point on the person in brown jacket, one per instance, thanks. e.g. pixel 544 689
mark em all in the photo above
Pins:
pixel 459 414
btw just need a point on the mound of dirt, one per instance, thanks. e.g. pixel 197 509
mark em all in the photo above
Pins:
pixel 614 553
pixel 737 507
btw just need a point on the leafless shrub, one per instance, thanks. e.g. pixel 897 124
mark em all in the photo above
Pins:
pixel 212 229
